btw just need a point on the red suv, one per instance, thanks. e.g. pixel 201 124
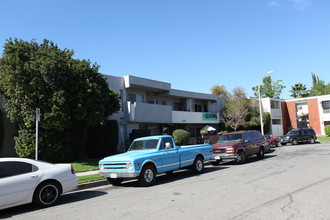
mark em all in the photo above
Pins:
pixel 238 146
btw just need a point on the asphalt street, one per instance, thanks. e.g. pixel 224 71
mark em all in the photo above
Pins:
pixel 292 182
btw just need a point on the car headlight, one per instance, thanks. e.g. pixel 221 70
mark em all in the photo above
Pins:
pixel 129 166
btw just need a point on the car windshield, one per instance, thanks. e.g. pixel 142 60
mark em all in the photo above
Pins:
pixel 230 138
pixel 292 132
pixel 144 145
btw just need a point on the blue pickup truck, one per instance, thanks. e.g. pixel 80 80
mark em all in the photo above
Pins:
pixel 152 155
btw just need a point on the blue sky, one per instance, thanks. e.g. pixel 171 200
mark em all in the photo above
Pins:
pixel 192 44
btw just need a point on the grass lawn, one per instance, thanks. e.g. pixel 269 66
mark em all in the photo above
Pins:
pixel 89 178
pixel 323 138
pixel 86 165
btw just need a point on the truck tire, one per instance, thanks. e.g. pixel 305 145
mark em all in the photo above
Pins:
pixel 261 153
pixel 240 157
pixel 311 140
pixel 147 176
pixel 198 165
pixel 116 181
pixel 294 141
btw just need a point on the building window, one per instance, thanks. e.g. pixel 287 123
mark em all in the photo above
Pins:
pixel 135 98
pixel 275 104
pixel 276 121
pixel 326 106
pixel 198 108
pixel 326 123
pixel 177 106
pixel 121 92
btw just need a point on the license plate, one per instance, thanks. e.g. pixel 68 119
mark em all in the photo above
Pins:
pixel 217 157
pixel 113 175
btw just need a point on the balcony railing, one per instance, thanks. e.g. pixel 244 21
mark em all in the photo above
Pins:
pixel 151 113
pixel 143 112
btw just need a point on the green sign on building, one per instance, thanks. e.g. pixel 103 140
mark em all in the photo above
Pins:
pixel 210 116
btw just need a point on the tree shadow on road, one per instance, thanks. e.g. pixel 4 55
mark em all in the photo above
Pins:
pixel 64 199
pixel 175 176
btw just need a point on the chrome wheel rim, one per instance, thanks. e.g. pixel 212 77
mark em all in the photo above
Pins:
pixel 199 165
pixel 148 175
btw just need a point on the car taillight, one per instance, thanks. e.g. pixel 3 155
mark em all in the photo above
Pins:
pixel 72 170
pixel 230 150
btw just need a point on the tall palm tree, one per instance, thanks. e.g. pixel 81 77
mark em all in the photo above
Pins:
pixel 299 90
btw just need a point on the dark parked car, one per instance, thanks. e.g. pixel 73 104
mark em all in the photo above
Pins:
pixel 273 141
pixel 236 146
pixel 295 136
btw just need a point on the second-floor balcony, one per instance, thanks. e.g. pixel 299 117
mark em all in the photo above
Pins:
pixel 143 112
pixel 152 113
pixel 195 117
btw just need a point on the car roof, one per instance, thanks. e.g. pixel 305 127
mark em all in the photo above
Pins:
pixel 18 159
pixel 240 132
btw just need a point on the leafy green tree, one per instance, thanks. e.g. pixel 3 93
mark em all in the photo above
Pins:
pixel 71 94
pixel 299 90
pixel 221 92
pixel 319 87
pixel 269 88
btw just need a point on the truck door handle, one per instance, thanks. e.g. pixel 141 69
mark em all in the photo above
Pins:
pixel 34 176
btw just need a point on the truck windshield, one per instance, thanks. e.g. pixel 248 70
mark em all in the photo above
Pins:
pixel 292 132
pixel 144 145
pixel 230 138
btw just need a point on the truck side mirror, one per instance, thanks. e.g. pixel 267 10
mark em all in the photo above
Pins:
pixel 168 145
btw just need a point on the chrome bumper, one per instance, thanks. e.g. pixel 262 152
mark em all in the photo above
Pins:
pixel 223 157
pixel 118 174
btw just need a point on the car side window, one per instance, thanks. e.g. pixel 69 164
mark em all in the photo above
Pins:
pixel 13 168
pixel 247 137
pixel 164 141
pixel 305 131
pixel 168 140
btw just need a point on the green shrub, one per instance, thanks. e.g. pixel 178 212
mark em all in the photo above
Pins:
pixel 181 137
pixel 327 130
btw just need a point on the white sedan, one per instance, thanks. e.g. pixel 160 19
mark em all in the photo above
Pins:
pixel 24 181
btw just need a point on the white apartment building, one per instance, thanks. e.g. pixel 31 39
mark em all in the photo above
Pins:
pixel 154 107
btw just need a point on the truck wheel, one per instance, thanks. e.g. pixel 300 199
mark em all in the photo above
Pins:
pixel 283 144
pixel 261 153
pixel 294 142
pixel 312 140
pixel 198 165
pixel 147 176
pixel 240 157
pixel 116 181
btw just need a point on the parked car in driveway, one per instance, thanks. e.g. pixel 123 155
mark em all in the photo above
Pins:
pixel 295 136
pixel 24 181
pixel 237 146
pixel 272 140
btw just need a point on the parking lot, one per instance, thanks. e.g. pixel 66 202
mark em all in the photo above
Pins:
pixel 290 183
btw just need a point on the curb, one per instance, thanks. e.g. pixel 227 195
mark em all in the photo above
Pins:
pixel 92 184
